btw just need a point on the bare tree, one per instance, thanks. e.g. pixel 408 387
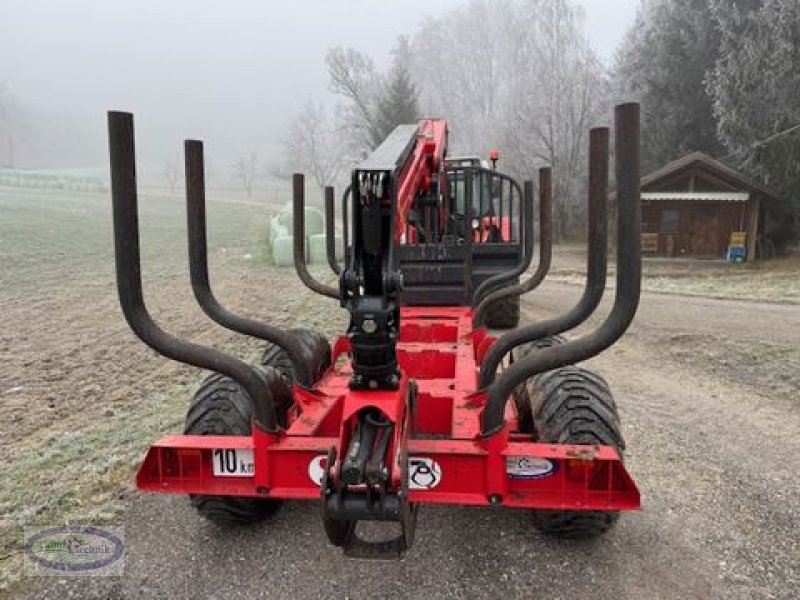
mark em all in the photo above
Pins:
pixel 353 76
pixel 11 126
pixel 172 173
pixel 315 145
pixel 246 170
pixel 460 63
pixel 518 75
pixel 375 103
pixel 554 106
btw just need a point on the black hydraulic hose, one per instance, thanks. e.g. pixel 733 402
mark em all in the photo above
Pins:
pixel 491 283
pixel 299 242
pixel 198 270
pixel 129 280
pixel 330 230
pixel 629 271
pixel 595 267
pixel 545 248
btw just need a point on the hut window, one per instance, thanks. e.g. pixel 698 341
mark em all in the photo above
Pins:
pixel 669 221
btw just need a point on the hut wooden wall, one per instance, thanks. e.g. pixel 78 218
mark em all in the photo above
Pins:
pixel 702 229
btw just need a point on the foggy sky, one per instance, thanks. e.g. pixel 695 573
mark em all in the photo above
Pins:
pixel 232 73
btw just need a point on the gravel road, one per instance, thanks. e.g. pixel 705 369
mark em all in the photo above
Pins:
pixel 709 394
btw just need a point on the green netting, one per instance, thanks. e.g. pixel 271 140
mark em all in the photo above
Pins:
pixel 317 252
pixel 47 181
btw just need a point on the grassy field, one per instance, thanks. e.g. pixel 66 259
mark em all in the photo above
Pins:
pixel 774 280
pixel 80 397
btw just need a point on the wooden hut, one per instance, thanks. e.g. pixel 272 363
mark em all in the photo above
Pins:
pixel 698 207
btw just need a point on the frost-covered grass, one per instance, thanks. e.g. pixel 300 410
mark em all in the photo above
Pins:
pixel 61 317
pixel 776 280
pixel 769 281
pixel 79 476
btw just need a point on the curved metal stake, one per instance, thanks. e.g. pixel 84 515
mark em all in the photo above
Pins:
pixel 595 266
pixel 499 279
pixel 198 269
pixel 629 272
pixel 129 280
pixel 330 230
pixel 346 223
pixel 299 242
pixel 545 248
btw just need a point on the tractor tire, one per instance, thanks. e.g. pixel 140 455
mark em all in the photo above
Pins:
pixel 503 314
pixel 522 398
pixel 316 352
pixel 221 407
pixel 545 342
pixel 572 405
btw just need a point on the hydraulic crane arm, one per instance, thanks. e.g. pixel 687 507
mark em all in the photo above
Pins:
pixel 384 185
pixel 422 172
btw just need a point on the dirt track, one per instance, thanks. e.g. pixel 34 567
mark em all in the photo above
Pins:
pixel 708 391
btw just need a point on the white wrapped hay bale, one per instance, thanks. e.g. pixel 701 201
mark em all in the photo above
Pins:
pixel 282 251
pixel 277 229
pixel 317 250
pixel 285 215
pixel 315 222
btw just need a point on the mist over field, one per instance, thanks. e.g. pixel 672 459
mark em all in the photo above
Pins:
pixel 233 73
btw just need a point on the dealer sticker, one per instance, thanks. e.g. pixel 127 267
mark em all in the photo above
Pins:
pixel 529 467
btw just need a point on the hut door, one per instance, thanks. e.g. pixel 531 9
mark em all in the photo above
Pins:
pixel 705 230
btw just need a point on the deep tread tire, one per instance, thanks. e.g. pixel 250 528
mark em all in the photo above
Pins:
pixel 503 314
pixel 545 342
pixel 221 407
pixel 576 524
pixel 572 405
pixel 521 397
pixel 316 352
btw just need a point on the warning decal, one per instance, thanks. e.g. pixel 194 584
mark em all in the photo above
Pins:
pixel 423 473
pixel 316 468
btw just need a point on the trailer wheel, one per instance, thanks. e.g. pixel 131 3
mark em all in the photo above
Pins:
pixel 503 314
pixel 316 352
pixel 221 407
pixel 545 342
pixel 522 398
pixel 572 405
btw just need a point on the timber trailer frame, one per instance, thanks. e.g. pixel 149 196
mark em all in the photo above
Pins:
pixel 412 406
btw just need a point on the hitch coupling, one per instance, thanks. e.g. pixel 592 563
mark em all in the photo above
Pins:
pixel 359 491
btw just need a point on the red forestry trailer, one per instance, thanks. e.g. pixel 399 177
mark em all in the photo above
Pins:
pixel 417 403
